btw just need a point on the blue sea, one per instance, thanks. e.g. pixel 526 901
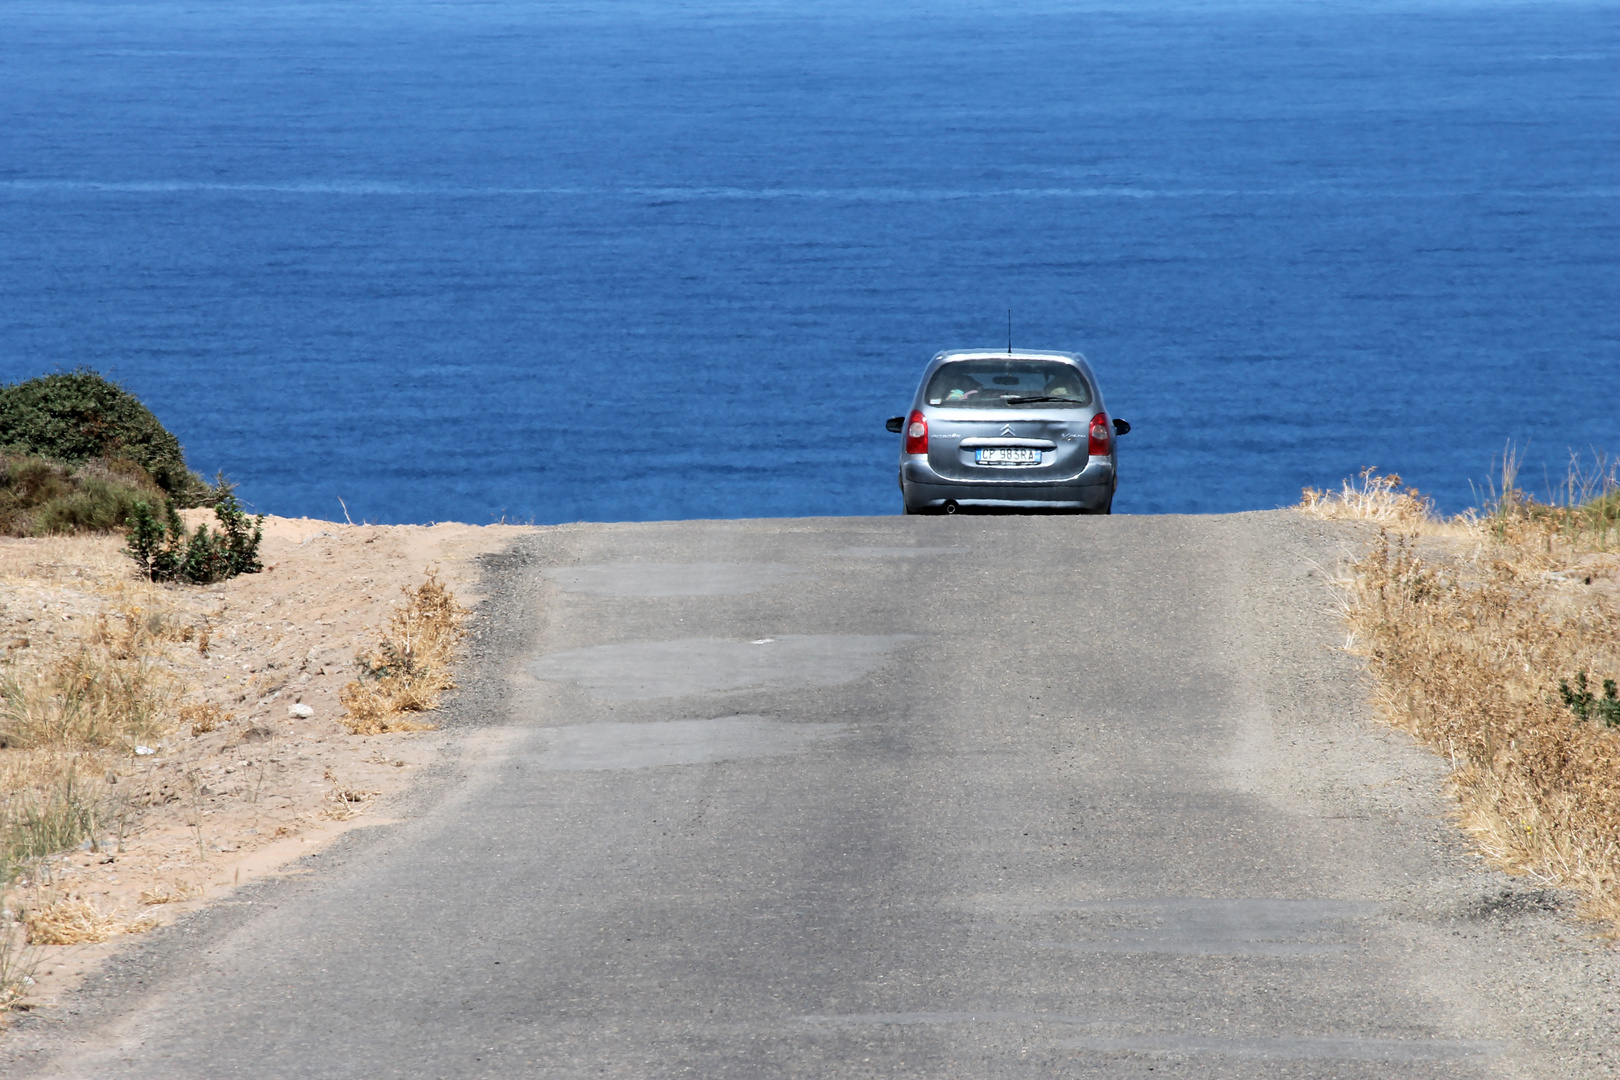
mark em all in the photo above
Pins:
pixel 630 260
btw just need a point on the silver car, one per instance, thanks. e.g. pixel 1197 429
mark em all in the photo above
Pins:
pixel 1005 430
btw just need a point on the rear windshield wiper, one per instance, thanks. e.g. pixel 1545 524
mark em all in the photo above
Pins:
pixel 1028 398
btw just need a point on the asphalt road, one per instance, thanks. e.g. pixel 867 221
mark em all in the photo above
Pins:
pixel 930 797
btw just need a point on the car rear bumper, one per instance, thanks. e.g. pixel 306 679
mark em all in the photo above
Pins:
pixel 1088 493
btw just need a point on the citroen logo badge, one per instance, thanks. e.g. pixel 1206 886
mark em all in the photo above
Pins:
pixel 1006 429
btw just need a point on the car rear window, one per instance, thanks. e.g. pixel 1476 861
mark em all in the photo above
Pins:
pixel 995 384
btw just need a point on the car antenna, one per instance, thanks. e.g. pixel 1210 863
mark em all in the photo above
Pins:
pixel 1009 331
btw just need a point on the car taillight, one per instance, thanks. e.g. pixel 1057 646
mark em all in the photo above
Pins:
pixel 1101 437
pixel 917 434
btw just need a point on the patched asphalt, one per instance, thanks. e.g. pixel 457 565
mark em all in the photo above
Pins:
pixel 932 797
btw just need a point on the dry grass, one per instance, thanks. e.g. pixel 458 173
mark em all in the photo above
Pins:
pixel 101 662
pixel 1581 512
pixel 169 892
pixel 1370 498
pixel 1469 626
pixel 204 716
pixel 64 725
pixel 72 711
pixel 133 630
pixel 73 706
pixel 92 698
pixel 409 670
pixel 346 802
pixel 76 921
pixel 50 800
pixel 17 966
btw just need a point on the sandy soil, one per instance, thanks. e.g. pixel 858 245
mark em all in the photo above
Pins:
pixel 207 812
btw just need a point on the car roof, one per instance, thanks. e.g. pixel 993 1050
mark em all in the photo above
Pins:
pixel 1020 354
pixel 950 355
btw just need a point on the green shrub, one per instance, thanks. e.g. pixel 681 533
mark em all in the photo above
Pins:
pixel 157 546
pixel 239 535
pixel 166 551
pixel 98 506
pixel 77 416
pixel 33 481
pixel 39 497
pixel 1587 705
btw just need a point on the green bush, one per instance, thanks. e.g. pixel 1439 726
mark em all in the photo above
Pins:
pixel 39 496
pixel 166 551
pixel 78 416
pixel 1587 705
pixel 36 481
pixel 98 506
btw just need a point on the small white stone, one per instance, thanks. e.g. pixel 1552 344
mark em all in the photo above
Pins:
pixel 301 711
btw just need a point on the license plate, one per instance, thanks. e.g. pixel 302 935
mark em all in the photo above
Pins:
pixel 1007 455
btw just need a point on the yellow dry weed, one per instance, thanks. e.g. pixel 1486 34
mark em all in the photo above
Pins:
pixel 169 892
pixel 1370 498
pixel 76 921
pixel 204 716
pixel 409 670
pixel 1473 645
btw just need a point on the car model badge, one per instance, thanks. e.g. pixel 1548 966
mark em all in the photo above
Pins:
pixel 1006 429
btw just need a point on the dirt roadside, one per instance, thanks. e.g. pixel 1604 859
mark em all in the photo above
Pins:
pixel 206 811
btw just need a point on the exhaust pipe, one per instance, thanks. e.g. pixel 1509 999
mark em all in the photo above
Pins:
pixel 950 506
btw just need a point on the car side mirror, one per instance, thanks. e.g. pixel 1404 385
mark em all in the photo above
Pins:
pixel 895 424
pixel 1122 427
